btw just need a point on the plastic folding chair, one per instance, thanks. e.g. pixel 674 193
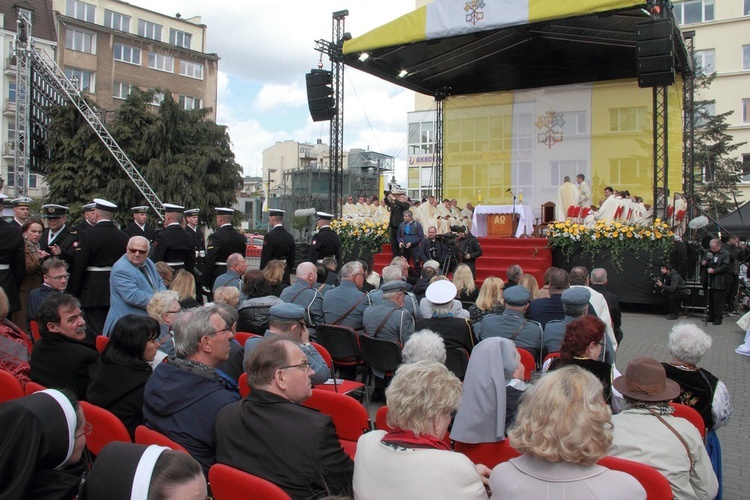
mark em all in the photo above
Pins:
pixel 691 415
pixel 381 354
pixel 341 386
pixel 342 342
pixel 228 483
pixel 10 387
pixel 657 487
pixel 144 435
pixel 242 383
pixel 489 454
pixel 106 427
pixel 241 337
pixel 529 363
pixel 457 361
pixel 32 387
pixel 101 343
pixel 349 417
pixel 34 324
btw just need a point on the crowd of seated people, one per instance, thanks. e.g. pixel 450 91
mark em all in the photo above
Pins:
pixel 178 372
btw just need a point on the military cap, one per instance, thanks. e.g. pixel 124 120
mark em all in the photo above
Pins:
pixel 192 212
pixel 105 205
pixel 141 209
pixel 89 207
pixel 23 201
pixel 52 211
pixel 224 211
pixel 172 208
pixel 324 215
pixel 576 296
pixel 516 296
pixel 275 212
pixel 286 311
pixel 441 292
pixel 393 286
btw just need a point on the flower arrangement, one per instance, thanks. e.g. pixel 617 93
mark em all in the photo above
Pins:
pixel 613 237
pixel 366 235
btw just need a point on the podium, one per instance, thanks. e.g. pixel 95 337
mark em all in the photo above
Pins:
pixel 487 215
pixel 501 225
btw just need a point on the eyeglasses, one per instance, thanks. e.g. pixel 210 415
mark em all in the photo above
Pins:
pixel 218 332
pixel 173 312
pixel 87 429
pixel 138 251
pixel 302 366
pixel 59 278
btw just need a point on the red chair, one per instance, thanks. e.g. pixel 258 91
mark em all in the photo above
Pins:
pixel 106 427
pixel 670 211
pixel 691 415
pixel 228 483
pixel 585 212
pixel 349 417
pixel 33 387
pixel 380 419
pixel 35 329
pixel 144 435
pixel 529 363
pixel 577 213
pixel 101 343
pixel 489 454
pixel 242 337
pixel 657 487
pixel 10 387
pixel 242 383
pixel 341 386
pixel 551 355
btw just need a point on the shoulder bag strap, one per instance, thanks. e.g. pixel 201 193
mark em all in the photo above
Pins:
pixel 513 338
pixel 382 323
pixel 674 431
pixel 299 293
pixel 343 317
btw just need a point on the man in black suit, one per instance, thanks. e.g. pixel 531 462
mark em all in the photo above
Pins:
pixel 398 204
pixel 139 226
pixel 58 240
pixel 98 249
pixel 326 242
pixel 221 244
pixel 271 435
pixel 718 281
pixel 12 262
pixel 174 245
pixel 199 247
pixel 599 283
pixel 278 243
pixel 549 308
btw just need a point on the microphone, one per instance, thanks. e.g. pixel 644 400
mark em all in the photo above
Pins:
pixel 507 190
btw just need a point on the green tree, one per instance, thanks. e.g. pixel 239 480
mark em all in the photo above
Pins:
pixel 186 158
pixel 717 169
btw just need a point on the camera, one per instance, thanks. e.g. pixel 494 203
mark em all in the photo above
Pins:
pixel 652 278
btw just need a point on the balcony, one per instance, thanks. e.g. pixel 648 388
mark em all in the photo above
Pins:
pixel 10 107
pixel 10 65
pixel 9 149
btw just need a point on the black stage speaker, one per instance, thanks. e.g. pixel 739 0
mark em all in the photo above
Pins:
pixel 654 53
pixel 320 95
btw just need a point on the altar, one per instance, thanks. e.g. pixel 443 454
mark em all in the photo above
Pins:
pixel 482 212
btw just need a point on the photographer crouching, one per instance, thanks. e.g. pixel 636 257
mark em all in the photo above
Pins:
pixel 673 287
pixel 467 248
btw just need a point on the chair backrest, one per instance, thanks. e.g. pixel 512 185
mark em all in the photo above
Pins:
pixel 382 354
pixel 34 324
pixel 323 354
pixel 679 215
pixel 571 211
pixel 349 416
pixel 380 419
pixel 577 212
pixel 670 210
pixel 32 387
pixel 657 487
pixel 144 435
pixel 101 343
pixel 106 427
pixel 529 363
pixel 341 342
pixel 548 212
pixel 690 414
pixel 10 387
pixel 457 361
pixel 241 337
pixel 551 355
pixel 585 212
pixel 228 483
pixel 489 454
pixel 242 383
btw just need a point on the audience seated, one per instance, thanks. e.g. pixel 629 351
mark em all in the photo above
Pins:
pixel 54 280
pixel 41 445
pixel 413 460
pixel 562 428
pixel 544 310
pixel 582 346
pixel 228 295
pixel 425 278
pixel 184 284
pixel 579 276
pixel 271 435
pixel 118 378
pixel 393 273
pixel 489 301
pixel 424 345
pixel 130 471
pixel 466 288
pixel 15 345
pixel 456 308
pixel 543 292
pixel 303 293
pixel 274 274
pixel 62 357
pixel 185 393
pixel 512 325
pixel 456 332
pixel 389 319
pixel 492 388
pixel 514 274
pixel 231 369
pixel 646 432
pixel 164 308
pixel 346 304
pixel 254 309
pixel 528 281
pixel 575 304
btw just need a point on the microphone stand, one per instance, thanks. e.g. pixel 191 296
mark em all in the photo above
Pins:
pixel 513 215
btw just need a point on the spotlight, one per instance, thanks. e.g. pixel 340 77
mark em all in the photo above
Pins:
pixel 403 73
pixel 364 56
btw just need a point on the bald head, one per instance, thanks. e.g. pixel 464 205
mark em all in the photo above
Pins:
pixel 307 272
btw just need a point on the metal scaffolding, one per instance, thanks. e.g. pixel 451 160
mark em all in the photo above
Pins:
pixel 439 110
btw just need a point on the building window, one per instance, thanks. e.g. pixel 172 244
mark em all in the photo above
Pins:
pixel 116 21
pixel 121 90
pixel 29 14
pixel 11 91
pixel 746 8
pixel 80 10
pixel 627 119
pixel 746 56
pixel 158 98
pixel 160 62
pixel 128 54
pixel 149 30
pixel 193 70
pixel 705 61
pixel 12 178
pixel 575 123
pixel 187 102
pixel 745 110
pixel 746 166
pixel 694 11
pixel 703 114
pixel 560 168
pixel 180 38
pixel 80 41
pixel 84 78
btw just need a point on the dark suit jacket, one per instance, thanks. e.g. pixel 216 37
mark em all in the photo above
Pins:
pixel 100 246
pixel 221 244
pixel 288 444
pixel 546 309
pixel 58 361
pixel 12 254
pixel 172 245
pixel 325 244
pixel 278 244
pixel 134 230
pixel 66 239
pixel 613 304
pixel 397 211
pixel 721 265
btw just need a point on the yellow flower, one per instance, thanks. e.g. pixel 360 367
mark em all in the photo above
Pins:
pixel 629 234
pixel 615 234
pixel 648 233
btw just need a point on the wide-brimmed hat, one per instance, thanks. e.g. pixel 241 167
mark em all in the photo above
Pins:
pixel 646 380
